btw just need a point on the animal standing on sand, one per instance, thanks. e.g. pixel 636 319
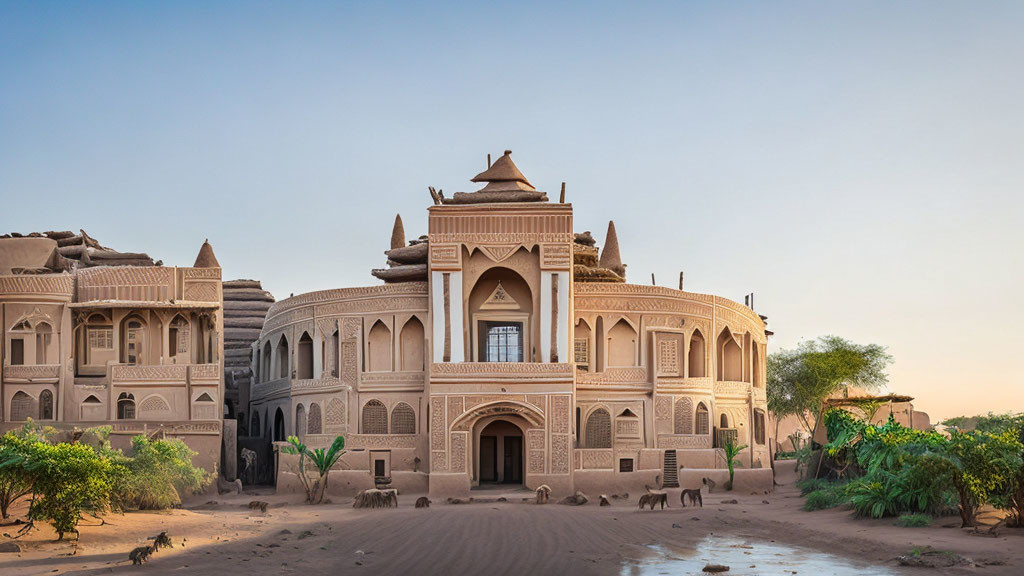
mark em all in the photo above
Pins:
pixel 258 505
pixel 710 484
pixel 694 495
pixel 161 540
pixel 423 502
pixel 604 500
pixel 656 497
pixel 645 499
pixel 140 554
pixel 543 493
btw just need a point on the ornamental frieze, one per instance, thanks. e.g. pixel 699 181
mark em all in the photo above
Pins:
pixel 618 303
pixel 684 441
pixel 373 441
pixel 56 285
pixel 30 372
pixel 627 375
pixel 322 296
pixel 732 389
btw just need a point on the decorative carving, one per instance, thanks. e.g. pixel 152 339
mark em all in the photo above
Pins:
pixel 373 441
pixel 392 379
pixel 668 357
pixel 154 403
pixel 438 461
pixel 204 372
pixel 683 422
pixel 662 407
pixel 335 419
pixel 437 427
pixel 629 375
pixel 596 459
pixel 351 328
pixel 535 439
pixel 458 454
pixel 559 419
pixel 499 368
pixel 349 363
pixel 536 462
pixel 60 285
pixel 499 252
pixel 31 373
pixel 455 409
pixel 560 454
pixel 556 256
pixel 445 256
pixel 683 441
pixel 203 291
pixel 201 273
pixel 732 389
pixel 121 373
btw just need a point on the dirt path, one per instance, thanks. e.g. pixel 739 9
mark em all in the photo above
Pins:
pixel 478 538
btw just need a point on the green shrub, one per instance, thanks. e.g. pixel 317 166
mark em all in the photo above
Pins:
pixel 873 498
pixel 824 499
pixel 914 520
pixel 812 485
pixel 157 473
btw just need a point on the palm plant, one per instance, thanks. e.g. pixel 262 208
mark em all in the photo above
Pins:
pixel 323 460
pixel 731 460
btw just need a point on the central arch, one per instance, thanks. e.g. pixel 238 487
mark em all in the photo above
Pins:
pixel 500 452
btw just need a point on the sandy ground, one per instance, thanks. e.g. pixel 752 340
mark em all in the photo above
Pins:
pixel 485 538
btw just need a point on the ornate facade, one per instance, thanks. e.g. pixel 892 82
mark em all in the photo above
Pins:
pixel 501 350
pixel 136 347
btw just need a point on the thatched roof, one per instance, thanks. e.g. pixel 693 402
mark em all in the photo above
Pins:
pixel 206 257
pixel 855 400
pixel 503 175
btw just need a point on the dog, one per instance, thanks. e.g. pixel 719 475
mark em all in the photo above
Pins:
pixel 161 540
pixel 710 484
pixel 258 505
pixel 694 496
pixel 423 502
pixel 543 493
pixel 140 554
pixel 659 498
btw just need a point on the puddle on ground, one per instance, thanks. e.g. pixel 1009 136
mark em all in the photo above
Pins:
pixel 743 557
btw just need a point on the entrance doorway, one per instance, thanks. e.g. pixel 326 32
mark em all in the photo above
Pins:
pixel 501 454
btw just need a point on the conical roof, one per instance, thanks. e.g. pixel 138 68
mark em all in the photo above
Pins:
pixel 503 175
pixel 610 257
pixel 398 233
pixel 206 257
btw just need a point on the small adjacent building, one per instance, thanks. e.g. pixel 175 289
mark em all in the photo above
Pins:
pixel 95 337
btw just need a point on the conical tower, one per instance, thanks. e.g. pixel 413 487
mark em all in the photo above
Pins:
pixel 503 176
pixel 206 257
pixel 398 233
pixel 610 257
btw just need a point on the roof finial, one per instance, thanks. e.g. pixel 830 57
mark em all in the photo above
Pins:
pixel 398 233
pixel 206 257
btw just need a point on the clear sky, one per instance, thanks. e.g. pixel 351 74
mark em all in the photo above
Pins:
pixel 856 165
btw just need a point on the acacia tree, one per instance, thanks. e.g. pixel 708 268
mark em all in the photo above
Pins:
pixel 983 467
pixel 801 379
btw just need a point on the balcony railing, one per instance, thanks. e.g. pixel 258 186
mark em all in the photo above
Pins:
pixel 500 371
pixel 46 373
pixel 264 389
pixel 630 375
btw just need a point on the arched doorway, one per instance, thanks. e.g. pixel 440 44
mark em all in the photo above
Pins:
pixel 279 426
pixel 500 452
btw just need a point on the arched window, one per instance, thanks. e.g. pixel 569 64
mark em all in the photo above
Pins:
pixel 304 367
pixel 126 406
pixel 178 335
pixel 703 423
pixel 335 354
pixel 622 349
pixel 375 418
pixel 133 334
pixel 284 368
pixel 581 346
pixel 44 335
pixel 23 407
pixel 255 424
pixel 378 352
pixel 684 416
pixel 755 361
pixel 46 405
pixel 265 374
pixel 599 429
pixel 696 359
pixel 412 345
pixel 403 419
pixel 279 435
pixel 725 420
pixel 730 358
pixel 300 421
pixel 759 426
pixel 315 424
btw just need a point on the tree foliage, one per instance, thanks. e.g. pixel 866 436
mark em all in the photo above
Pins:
pixel 801 379
pixel 321 459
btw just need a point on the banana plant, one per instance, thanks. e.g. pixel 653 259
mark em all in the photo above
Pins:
pixel 323 460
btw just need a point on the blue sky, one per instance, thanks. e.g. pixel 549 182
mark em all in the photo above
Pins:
pixel 856 165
